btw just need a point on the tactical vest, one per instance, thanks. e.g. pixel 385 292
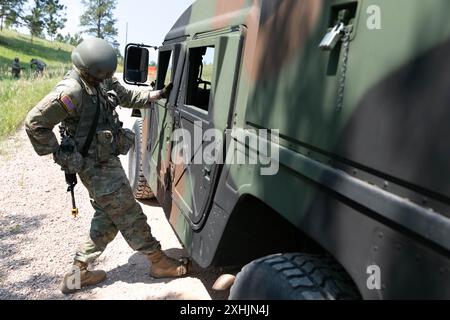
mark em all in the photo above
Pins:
pixel 97 113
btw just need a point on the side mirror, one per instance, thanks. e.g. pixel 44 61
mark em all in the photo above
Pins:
pixel 136 64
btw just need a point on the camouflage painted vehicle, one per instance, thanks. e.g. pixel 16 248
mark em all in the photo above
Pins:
pixel 360 204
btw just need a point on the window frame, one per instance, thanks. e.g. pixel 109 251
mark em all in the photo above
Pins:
pixel 194 44
pixel 175 56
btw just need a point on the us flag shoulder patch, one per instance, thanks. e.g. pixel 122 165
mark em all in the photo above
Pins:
pixel 67 103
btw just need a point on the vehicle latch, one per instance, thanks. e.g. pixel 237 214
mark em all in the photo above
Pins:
pixel 332 38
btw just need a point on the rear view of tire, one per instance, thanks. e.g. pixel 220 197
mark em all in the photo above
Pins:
pixel 294 277
pixel 138 183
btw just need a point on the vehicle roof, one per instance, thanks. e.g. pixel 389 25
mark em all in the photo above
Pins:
pixel 208 15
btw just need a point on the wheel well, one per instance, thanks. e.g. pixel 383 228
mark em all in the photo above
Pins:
pixel 255 230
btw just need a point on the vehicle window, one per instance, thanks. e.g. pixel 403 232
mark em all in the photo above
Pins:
pixel 200 74
pixel 165 67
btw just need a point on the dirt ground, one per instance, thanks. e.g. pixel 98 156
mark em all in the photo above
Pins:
pixel 38 237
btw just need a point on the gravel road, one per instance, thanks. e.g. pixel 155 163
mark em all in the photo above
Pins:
pixel 38 237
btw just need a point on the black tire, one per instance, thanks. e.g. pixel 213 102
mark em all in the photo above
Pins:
pixel 294 277
pixel 138 183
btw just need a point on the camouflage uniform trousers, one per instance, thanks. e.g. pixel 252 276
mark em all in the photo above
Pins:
pixel 115 210
pixel 15 73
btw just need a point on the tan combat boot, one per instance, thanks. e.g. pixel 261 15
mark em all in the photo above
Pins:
pixel 166 267
pixel 85 277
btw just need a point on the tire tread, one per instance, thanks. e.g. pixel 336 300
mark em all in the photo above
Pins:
pixel 309 276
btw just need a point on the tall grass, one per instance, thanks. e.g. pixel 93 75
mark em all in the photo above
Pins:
pixel 17 98
pixel 29 74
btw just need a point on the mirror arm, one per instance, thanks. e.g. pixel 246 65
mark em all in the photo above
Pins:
pixel 140 46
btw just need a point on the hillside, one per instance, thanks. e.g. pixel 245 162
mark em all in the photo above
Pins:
pixel 13 44
pixel 17 97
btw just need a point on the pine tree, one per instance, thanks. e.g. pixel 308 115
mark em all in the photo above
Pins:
pixel 60 38
pixel 11 12
pixel 74 40
pixel 99 20
pixel 55 17
pixel 35 20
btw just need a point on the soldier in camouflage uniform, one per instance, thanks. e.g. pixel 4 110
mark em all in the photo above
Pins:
pixel 38 65
pixel 16 68
pixel 74 103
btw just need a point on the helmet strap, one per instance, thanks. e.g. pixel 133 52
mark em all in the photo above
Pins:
pixel 92 81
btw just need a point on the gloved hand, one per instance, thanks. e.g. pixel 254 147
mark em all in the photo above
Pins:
pixel 70 162
pixel 165 92
pixel 113 99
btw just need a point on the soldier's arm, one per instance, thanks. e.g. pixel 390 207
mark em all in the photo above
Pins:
pixel 41 120
pixel 134 99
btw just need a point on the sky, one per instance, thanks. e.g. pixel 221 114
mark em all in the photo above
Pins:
pixel 148 20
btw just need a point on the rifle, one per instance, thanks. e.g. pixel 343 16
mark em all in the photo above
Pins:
pixel 67 145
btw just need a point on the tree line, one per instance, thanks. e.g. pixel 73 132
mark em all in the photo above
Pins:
pixel 45 18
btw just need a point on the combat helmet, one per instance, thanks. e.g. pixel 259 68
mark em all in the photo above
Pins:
pixel 95 59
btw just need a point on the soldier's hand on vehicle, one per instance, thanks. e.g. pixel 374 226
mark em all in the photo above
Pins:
pixel 70 162
pixel 165 92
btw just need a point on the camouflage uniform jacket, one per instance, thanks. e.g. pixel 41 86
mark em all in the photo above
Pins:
pixel 16 66
pixel 66 104
pixel 39 65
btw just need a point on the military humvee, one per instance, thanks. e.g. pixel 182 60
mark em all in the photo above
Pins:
pixel 354 100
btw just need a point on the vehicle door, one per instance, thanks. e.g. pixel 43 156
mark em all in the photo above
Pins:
pixel 201 119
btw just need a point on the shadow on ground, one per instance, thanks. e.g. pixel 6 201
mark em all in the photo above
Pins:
pixel 13 231
pixel 18 290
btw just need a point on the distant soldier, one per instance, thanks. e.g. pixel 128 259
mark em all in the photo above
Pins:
pixel 38 65
pixel 16 68
pixel 84 102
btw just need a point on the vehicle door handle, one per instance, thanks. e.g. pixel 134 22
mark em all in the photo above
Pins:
pixel 207 172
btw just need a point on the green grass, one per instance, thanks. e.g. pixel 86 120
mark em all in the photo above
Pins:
pixel 17 97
